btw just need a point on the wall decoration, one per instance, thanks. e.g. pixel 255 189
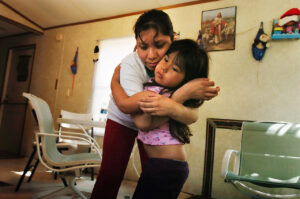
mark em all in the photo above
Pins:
pixel 74 70
pixel 218 29
pixel 260 44
pixel 288 26
pixel 96 52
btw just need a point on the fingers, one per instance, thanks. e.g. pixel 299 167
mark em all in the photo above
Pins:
pixel 209 83
pixel 211 93
pixel 148 110
pixel 151 96
pixel 148 102
pixel 145 104
pixel 207 98
pixel 204 79
pixel 211 90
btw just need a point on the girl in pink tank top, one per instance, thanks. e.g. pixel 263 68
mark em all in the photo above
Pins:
pixel 183 62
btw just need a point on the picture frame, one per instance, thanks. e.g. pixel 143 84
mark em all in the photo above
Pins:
pixel 218 29
pixel 212 124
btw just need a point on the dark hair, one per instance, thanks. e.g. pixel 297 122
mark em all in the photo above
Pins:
pixel 193 60
pixel 156 19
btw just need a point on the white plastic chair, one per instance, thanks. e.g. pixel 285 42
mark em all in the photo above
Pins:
pixel 52 158
pixel 80 116
pixel 74 127
pixel 33 160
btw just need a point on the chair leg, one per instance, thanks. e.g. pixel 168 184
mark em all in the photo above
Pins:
pixel 64 181
pixel 92 174
pixel 71 189
pixel 27 167
pixel 55 175
pixel 33 170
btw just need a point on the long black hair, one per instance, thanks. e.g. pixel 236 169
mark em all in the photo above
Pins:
pixel 193 60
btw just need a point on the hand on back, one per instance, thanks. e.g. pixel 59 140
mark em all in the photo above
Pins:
pixel 201 88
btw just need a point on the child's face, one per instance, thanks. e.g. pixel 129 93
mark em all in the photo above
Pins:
pixel 151 48
pixel 167 73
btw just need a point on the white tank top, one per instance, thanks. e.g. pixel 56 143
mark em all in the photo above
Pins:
pixel 132 77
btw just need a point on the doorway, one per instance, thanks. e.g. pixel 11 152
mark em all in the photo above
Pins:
pixel 13 105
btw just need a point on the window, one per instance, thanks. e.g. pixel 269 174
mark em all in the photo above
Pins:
pixel 111 52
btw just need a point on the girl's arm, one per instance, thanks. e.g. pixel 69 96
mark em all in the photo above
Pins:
pixel 142 121
pixel 125 103
pixel 130 105
pixel 158 105
pixel 146 122
pixel 200 88
pixel 165 107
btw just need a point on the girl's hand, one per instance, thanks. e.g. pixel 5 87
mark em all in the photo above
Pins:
pixel 200 88
pixel 157 105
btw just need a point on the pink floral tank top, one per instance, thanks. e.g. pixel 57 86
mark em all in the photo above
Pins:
pixel 160 135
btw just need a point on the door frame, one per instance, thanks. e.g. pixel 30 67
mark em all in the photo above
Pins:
pixel 7 62
pixel 5 80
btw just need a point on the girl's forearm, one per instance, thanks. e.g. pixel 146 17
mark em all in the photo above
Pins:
pixel 125 103
pixel 184 114
pixel 181 94
pixel 146 122
pixel 158 105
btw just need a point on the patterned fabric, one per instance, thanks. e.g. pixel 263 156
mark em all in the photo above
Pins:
pixel 160 135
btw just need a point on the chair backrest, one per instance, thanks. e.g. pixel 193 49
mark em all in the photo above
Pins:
pixel 270 150
pixel 72 115
pixel 46 125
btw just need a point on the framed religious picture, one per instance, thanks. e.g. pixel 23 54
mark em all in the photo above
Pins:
pixel 218 29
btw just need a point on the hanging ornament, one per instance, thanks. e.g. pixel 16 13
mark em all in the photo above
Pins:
pixel 74 70
pixel 96 52
pixel 260 43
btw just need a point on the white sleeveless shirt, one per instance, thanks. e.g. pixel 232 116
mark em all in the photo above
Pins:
pixel 132 77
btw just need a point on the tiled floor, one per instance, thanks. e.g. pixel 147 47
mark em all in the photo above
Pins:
pixel 43 181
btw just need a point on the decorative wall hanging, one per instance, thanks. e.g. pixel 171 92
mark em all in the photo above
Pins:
pixel 96 52
pixel 288 26
pixel 218 29
pixel 260 43
pixel 74 70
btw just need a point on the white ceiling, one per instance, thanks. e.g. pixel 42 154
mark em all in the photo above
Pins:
pixel 53 13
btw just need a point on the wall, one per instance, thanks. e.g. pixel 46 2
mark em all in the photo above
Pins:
pixel 250 90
